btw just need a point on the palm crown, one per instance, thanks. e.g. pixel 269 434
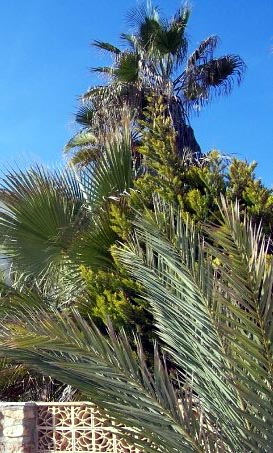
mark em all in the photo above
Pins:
pixel 154 60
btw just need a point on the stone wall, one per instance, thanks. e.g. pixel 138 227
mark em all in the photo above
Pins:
pixel 18 428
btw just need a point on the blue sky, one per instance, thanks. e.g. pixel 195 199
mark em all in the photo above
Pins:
pixel 45 60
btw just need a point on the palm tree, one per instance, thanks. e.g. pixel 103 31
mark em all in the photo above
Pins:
pixel 211 296
pixel 154 61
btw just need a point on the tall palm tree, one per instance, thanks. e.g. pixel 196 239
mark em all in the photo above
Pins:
pixel 154 61
pixel 211 297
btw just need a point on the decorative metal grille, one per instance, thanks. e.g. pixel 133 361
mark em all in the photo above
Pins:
pixel 77 427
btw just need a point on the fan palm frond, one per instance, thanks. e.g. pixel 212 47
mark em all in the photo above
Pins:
pixel 113 175
pixel 39 220
pixel 172 42
pixel 93 248
pixel 130 40
pixel 48 216
pixel 138 15
pixel 127 68
pixel 86 148
pixel 84 156
pixel 85 115
pixel 204 51
pixel 213 77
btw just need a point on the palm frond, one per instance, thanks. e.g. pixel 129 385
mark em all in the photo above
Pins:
pixel 85 115
pixel 204 51
pixel 113 175
pixel 106 46
pixel 181 19
pixel 176 41
pixel 83 138
pixel 94 247
pixel 104 70
pixel 41 215
pixel 203 319
pixel 222 72
pixel 86 148
pixel 138 15
pixel 84 156
pixel 113 376
pixel 129 39
pixel 127 68
pixel 213 77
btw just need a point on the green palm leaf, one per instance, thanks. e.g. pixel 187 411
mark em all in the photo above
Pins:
pixel 113 376
pixel 127 68
pixel 113 175
pixel 106 46
pixel 83 138
pixel 203 318
pixel 212 76
pixel 41 215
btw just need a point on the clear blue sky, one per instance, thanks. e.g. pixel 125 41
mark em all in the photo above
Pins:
pixel 46 56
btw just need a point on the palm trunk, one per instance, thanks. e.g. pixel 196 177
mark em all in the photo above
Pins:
pixel 186 141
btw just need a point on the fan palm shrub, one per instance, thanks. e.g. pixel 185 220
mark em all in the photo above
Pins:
pixel 210 386
pixel 53 221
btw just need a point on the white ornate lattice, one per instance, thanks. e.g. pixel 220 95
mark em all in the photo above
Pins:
pixel 77 427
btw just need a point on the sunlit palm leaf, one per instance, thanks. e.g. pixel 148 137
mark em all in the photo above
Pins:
pixel 202 317
pixel 111 374
pixel 41 215
pixel 83 138
pixel 113 176
pixel 84 156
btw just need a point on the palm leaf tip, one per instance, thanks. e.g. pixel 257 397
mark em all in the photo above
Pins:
pixel 204 51
pixel 136 16
pixel 106 46
pixel 83 138
pixel 181 18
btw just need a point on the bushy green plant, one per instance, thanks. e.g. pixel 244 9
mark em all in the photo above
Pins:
pixel 214 321
pixel 195 186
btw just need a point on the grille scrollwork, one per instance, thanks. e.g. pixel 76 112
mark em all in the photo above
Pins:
pixel 77 427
